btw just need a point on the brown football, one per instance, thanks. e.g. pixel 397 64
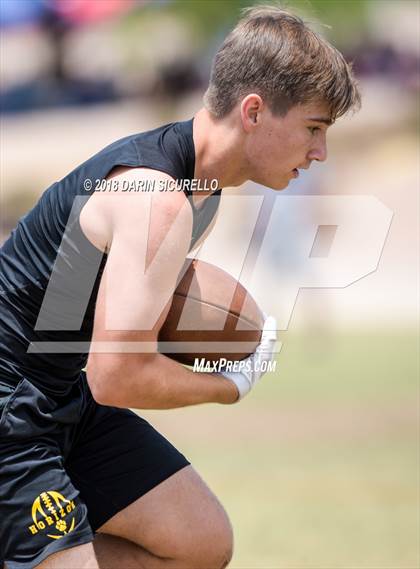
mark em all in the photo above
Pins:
pixel 212 316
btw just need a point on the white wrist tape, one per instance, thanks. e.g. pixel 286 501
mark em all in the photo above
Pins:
pixel 253 368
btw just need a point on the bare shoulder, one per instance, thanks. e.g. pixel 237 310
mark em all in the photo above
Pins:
pixel 131 198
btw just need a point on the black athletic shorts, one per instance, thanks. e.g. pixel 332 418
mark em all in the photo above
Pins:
pixel 67 466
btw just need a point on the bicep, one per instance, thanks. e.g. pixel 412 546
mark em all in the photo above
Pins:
pixel 147 252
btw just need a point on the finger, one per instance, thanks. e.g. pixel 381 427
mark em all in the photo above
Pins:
pixel 270 328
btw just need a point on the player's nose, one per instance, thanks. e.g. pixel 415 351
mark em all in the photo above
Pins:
pixel 319 152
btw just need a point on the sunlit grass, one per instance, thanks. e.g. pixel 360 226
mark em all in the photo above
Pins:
pixel 319 467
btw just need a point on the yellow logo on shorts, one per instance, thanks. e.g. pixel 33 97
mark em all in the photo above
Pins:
pixel 50 510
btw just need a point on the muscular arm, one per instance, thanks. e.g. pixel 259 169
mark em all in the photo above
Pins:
pixel 149 236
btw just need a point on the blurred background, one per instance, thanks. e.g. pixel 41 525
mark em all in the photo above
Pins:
pixel 319 468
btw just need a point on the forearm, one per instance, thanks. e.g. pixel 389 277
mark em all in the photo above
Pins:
pixel 158 383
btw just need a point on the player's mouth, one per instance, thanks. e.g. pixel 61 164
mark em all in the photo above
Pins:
pixel 295 172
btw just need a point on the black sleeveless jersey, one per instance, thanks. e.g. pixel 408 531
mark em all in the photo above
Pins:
pixel 46 314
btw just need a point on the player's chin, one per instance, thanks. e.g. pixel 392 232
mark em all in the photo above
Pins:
pixel 276 184
pixel 279 185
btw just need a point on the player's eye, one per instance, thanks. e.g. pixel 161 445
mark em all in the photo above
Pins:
pixel 313 129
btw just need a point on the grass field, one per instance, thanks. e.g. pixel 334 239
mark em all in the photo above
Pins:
pixel 319 467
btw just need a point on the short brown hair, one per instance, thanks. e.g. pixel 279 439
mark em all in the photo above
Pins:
pixel 274 53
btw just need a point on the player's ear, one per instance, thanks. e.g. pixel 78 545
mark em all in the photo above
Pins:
pixel 251 108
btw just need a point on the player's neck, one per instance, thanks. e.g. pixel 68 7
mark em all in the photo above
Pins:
pixel 217 155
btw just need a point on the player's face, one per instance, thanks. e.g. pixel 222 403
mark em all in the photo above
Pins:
pixel 282 145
